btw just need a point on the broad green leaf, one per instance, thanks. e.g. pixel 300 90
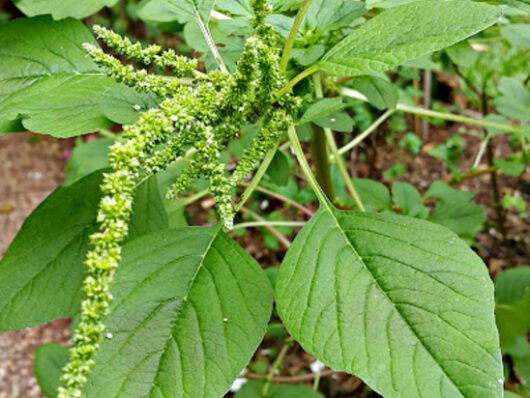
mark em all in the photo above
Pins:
pixel 60 9
pixel 455 211
pixel 47 83
pixel 49 360
pixel 254 389
pixel 149 212
pixel 380 93
pixel 280 169
pixel 42 270
pixel 308 56
pixel 326 15
pixel 86 158
pixel 182 11
pixel 402 303
pixel 321 108
pixel 407 32
pixel 511 285
pixel 514 101
pixel 513 320
pixel 238 7
pixel 517 34
pixel 190 308
pixel 407 198
pixel 374 195
pixel 462 54
pixel 338 121
pixel 512 168
pixel 512 292
pixel 124 104
pixel 520 4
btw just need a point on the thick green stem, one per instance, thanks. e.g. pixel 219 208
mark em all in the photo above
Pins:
pixel 339 161
pixel 289 43
pixel 319 152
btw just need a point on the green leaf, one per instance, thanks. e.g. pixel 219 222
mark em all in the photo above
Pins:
pixel 462 54
pixel 124 104
pixel 380 93
pixel 520 4
pixel 338 121
pixel 86 158
pixel 42 271
pixel 514 101
pixel 60 9
pixel 455 211
pixel 49 361
pixel 47 82
pixel 190 308
pixel 407 198
pixel 512 293
pixel 518 35
pixel 511 285
pixel 407 32
pixel 321 108
pixel 149 212
pixel 182 11
pixel 374 195
pixel 402 303
pixel 512 168
pixel 280 169
pixel 253 389
pixel 326 15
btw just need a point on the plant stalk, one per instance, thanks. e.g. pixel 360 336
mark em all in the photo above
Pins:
pixel 306 169
pixel 319 152
pixel 339 161
pixel 289 44
pixel 440 115
pixel 211 44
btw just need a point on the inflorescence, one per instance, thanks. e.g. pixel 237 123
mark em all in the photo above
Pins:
pixel 200 119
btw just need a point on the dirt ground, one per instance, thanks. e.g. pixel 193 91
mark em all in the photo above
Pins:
pixel 30 168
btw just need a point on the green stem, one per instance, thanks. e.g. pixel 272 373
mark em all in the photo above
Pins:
pixel 289 44
pixel 211 44
pixel 319 152
pixel 254 224
pixel 301 76
pixel 440 115
pixel 251 187
pixel 277 363
pixel 339 161
pixel 299 153
pixel 286 243
pixel 361 137
pixel 284 199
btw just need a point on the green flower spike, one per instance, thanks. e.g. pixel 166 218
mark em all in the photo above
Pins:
pixel 199 119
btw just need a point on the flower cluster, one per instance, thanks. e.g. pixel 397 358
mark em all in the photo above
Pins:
pixel 199 119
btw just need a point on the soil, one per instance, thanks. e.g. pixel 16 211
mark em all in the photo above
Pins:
pixel 30 168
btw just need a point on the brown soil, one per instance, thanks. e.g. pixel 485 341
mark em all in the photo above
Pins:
pixel 30 168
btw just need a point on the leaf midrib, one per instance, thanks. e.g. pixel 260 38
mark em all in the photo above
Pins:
pixel 179 308
pixel 376 282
